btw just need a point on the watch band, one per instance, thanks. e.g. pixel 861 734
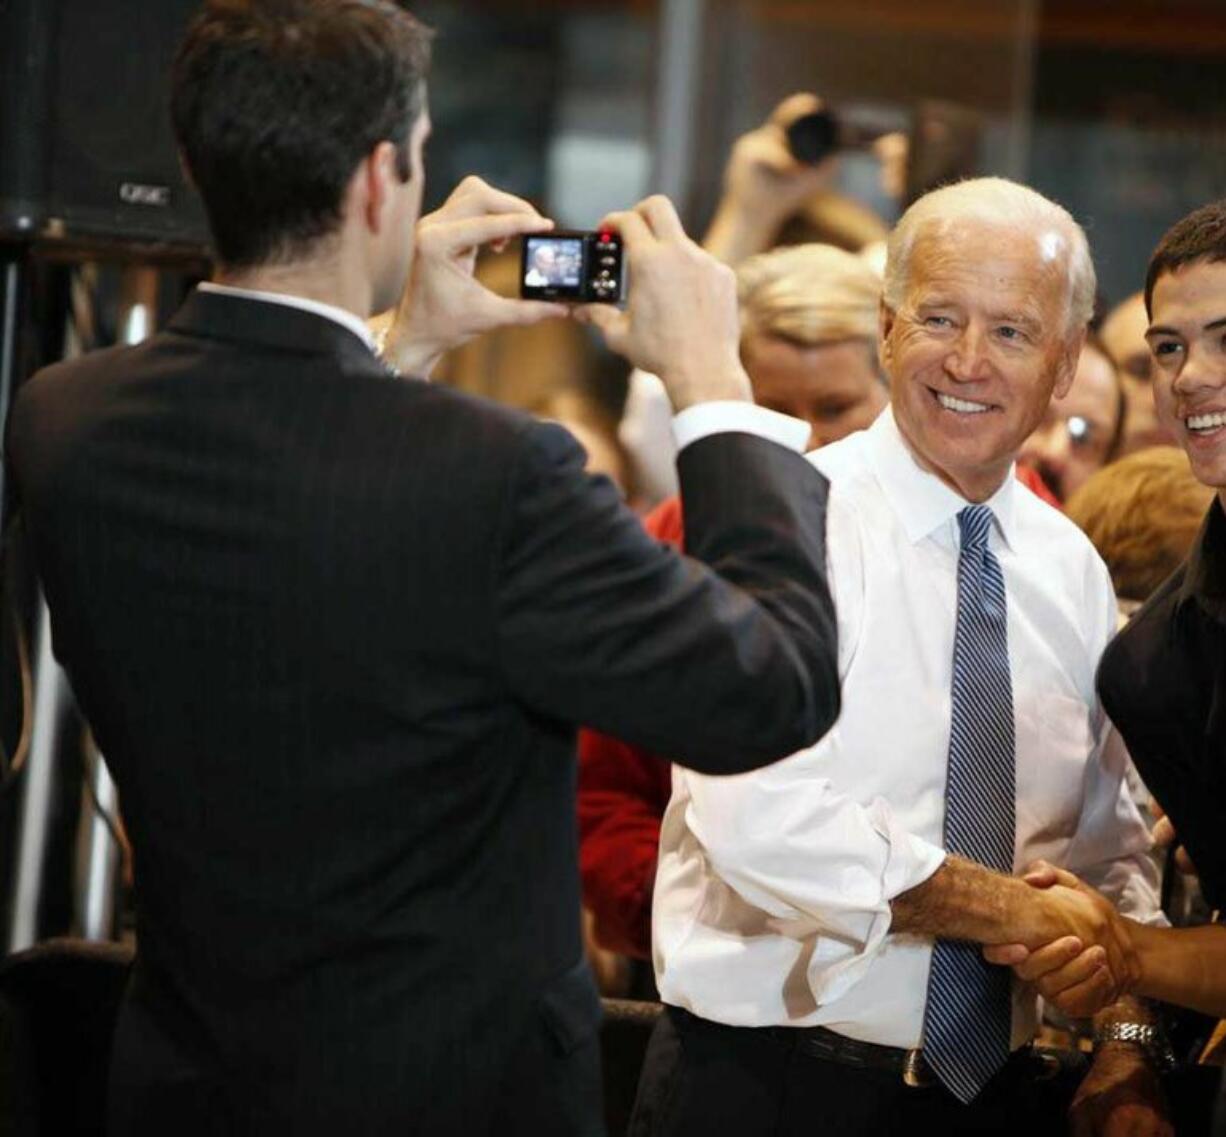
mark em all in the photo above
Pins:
pixel 1150 1037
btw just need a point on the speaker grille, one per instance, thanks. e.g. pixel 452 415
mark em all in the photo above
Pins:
pixel 103 164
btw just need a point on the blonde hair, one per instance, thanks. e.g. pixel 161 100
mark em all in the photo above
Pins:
pixel 1142 514
pixel 811 294
pixel 999 204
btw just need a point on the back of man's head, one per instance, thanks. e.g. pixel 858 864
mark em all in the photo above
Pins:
pixel 1198 237
pixel 996 204
pixel 275 102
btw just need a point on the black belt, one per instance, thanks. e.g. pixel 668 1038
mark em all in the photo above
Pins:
pixel 1029 1061
pixel 909 1065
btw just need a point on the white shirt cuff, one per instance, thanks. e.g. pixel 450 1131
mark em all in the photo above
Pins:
pixel 730 415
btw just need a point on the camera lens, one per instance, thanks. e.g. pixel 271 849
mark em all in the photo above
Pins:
pixel 812 136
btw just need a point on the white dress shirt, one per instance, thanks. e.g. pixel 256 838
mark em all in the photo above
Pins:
pixel 773 888
pixel 689 426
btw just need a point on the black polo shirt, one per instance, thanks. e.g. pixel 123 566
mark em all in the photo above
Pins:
pixel 1163 682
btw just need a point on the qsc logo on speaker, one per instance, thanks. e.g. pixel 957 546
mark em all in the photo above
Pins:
pixel 138 193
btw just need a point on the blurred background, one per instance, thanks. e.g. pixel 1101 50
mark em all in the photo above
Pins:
pixel 1113 108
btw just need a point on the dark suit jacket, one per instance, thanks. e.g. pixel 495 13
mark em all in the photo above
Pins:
pixel 331 629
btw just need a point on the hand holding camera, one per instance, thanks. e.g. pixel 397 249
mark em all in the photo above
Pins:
pixel 573 266
pixel 765 182
pixel 681 318
pixel 444 305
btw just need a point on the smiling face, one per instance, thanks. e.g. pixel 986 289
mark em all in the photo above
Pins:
pixel 977 347
pixel 1188 341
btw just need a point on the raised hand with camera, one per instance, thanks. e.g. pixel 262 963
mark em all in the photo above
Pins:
pixel 680 321
pixel 765 183
pixel 444 305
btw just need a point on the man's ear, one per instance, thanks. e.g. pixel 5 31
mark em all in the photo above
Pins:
pixel 1070 356
pixel 373 185
pixel 885 326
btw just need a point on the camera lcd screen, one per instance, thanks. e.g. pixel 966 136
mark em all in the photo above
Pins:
pixel 553 262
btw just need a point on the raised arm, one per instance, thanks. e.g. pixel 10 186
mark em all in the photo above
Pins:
pixel 725 664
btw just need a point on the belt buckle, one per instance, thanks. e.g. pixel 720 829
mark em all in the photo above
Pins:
pixel 915 1071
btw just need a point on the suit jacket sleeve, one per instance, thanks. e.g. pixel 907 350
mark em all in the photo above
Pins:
pixel 724 665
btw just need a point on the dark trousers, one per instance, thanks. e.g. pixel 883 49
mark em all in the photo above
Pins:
pixel 703 1079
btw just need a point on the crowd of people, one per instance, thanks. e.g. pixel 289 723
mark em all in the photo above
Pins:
pixel 712 894
pixel 875 710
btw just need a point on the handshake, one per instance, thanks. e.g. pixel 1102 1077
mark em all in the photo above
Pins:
pixel 1071 944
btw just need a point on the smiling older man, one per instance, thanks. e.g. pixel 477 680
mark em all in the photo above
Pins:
pixel 816 923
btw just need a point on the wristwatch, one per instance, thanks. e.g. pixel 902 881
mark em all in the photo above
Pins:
pixel 1149 1036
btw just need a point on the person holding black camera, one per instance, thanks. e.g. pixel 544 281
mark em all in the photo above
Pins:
pixel 332 626
pixel 784 171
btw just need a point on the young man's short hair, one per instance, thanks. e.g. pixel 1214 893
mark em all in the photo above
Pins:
pixel 275 102
pixel 1201 236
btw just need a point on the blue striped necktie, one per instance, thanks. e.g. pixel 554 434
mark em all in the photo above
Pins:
pixel 968 1019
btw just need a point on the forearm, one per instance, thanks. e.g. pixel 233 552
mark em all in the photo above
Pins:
pixel 596 623
pixel 963 901
pixel 1121 1092
pixel 734 236
pixel 1185 966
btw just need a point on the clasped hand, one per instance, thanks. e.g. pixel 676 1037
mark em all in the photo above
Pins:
pixel 1073 946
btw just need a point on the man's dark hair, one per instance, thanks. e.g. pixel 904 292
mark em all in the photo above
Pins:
pixel 1201 236
pixel 275 102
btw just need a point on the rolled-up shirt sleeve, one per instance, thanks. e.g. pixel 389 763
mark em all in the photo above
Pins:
pixel 813 859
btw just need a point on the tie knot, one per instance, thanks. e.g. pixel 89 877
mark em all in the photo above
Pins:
pixel 973 524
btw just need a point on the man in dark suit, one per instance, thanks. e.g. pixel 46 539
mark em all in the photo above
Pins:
pixel 332 626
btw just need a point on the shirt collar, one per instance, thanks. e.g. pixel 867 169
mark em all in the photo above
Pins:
pixel 921 500
pixel 1204 581
pixel 340 316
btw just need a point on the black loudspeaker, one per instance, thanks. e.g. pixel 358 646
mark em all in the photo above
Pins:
pixel 86 149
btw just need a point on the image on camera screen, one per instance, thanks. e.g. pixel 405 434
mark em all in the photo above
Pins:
pixel 554 262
